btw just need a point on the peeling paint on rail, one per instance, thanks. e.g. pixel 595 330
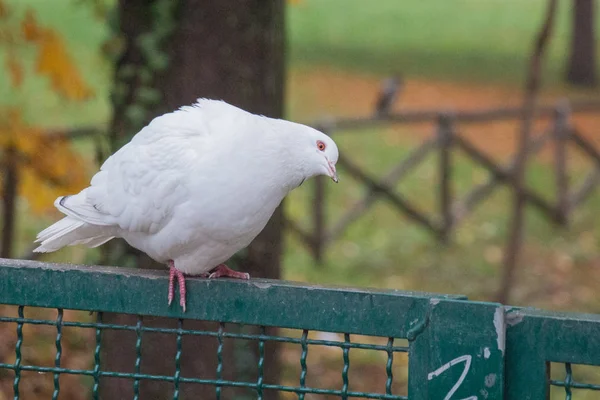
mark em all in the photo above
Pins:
pixel 500 326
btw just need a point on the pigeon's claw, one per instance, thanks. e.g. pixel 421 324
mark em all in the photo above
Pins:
pixel 223 270
pixel 174 272
pixel 181 280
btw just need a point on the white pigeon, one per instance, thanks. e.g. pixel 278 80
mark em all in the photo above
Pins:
pixel 193 187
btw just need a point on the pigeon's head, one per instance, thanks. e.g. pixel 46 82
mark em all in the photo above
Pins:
pixel 321 154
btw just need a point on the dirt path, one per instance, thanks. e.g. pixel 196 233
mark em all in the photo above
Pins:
pixel 314 93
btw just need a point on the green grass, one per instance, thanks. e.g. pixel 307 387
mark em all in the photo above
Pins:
pixel 456 40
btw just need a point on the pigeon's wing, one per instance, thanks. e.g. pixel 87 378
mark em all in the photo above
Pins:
pixel 138 188
pixel 141 188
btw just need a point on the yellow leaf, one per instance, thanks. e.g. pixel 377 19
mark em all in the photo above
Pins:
pixel 37 193
pixel 31 30
pixel 15 70
pixel 10 124
pixel 54 61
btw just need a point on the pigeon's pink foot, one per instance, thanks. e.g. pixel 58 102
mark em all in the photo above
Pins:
pixel 174 272
pixel 223 270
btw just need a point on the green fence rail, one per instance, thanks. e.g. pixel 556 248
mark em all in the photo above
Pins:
pixel 456 349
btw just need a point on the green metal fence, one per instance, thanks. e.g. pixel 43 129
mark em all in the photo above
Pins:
pixel 456 349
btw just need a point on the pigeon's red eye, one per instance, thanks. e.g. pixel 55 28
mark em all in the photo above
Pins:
pixel 320 145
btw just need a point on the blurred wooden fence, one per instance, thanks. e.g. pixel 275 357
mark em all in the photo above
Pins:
pixel 450 210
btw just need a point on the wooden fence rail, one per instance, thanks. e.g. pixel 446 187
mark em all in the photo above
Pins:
pixel 447 138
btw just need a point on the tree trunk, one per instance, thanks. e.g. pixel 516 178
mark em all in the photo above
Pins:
pixel 9 200
pixel 220 49
pixel 530 103
pixel 581 69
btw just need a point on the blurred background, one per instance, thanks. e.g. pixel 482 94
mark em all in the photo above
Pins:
pixel 428 102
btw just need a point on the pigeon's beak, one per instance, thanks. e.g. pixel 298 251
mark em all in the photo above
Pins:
pixel 332 171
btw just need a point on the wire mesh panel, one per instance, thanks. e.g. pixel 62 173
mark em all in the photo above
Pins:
pixel 305 351
pixel 552 355
pixel 574 382
pixel 331 342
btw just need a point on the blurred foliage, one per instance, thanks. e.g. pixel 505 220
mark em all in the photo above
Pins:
pixel 41 65
pixel 53 60
pixel 47 162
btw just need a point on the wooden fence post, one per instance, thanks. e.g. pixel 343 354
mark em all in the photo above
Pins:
pixel 319 228
pixel 445 140
pixel 319 219
pixel 561 140
pixel 9 200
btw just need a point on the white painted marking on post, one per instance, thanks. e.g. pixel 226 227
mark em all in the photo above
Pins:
pixel 467 360
pixel 490 380
pixel 486 353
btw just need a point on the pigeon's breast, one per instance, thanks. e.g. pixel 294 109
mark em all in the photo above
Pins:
pixel 231 213
pixel 217 219
pixel 230 192
pixel 235 201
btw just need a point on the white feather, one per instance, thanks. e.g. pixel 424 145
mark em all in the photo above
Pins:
pixel 68 232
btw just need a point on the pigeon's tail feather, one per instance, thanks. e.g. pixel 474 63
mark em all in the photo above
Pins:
pixel 68 232
pixel 79 208
pixel 97 241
